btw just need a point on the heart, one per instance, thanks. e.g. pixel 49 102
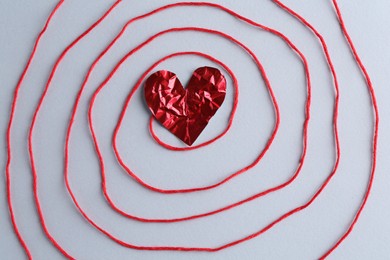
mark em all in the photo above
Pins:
pixel 185 112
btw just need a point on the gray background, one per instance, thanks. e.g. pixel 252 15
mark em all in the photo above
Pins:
pixel 305 235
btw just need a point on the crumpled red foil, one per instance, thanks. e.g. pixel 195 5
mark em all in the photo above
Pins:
pixel 185 112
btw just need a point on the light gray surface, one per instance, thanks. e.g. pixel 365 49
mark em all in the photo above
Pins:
pixel 305 235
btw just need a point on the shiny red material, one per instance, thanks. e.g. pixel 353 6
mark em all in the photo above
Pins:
pixel 185 112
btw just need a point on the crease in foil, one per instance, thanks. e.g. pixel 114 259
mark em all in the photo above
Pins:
pixel 185 112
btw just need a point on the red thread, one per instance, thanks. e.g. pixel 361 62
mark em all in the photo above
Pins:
pixel 270 140
pixel 8 177
pixel 376 129
pixel 286 215
pixel 11 118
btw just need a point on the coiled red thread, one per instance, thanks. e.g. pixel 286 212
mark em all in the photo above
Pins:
pixel 375 138
pixel 230 121
pixel 135 88
pixel 120 120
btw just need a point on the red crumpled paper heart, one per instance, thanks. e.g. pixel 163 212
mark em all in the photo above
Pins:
pixel 185 112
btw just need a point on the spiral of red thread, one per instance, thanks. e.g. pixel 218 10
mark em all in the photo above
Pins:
pixel 195 189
